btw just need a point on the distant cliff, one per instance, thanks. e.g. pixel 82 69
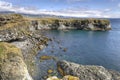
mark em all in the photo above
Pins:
pixel 81 24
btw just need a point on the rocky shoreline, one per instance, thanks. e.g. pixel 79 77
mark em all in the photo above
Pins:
pixel 21 39
pixel 25 38
pixel 87 72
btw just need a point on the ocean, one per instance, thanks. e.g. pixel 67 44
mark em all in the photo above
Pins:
pixel 83 47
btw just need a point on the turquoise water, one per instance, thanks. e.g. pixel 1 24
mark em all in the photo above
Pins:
pixel 85 47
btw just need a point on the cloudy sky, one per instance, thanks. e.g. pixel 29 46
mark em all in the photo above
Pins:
pixel 74 8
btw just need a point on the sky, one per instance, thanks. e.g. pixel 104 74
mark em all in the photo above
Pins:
pixel 72 8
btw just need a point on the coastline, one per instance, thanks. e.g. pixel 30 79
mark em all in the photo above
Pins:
pixel 28 38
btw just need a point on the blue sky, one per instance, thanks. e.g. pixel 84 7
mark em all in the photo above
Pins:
pixel 74 8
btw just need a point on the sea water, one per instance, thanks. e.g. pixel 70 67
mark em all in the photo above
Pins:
pixel 83 47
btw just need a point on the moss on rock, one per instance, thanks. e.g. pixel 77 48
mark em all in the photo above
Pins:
pixel 7 49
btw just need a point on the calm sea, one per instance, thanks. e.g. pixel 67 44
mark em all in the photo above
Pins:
pixel 83 47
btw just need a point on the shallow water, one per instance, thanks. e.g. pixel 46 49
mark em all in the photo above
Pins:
pixel 84 47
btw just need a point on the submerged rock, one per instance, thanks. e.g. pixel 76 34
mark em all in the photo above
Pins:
pixel 65 49
pixel 45 57
pixel 86 72
pixel 50 71
pixel 12 65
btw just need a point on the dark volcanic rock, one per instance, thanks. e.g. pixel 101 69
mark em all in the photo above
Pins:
pixel 87 72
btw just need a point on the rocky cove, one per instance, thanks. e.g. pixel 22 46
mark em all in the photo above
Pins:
pixel 21 38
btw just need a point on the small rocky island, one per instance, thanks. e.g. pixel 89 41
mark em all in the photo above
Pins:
pixel 21 38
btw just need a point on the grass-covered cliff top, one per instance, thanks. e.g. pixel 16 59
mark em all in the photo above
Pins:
pixel 73 20
pixel 8 50
pixel 11 20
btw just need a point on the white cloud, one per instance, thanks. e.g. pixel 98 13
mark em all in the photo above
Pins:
pixel 119 5
pixel 6 6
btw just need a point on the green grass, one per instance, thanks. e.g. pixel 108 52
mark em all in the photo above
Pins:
pixel 12 20
pixel 7 49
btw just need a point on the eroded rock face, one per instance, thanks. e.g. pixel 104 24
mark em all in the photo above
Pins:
pixel 87 72
pixel 12 66
pixel 81 24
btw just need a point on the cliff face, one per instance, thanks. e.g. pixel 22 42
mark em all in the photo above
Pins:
pixel 81 24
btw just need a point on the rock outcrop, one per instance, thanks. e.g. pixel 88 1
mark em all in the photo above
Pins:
pixel 12 65
pixel 87 72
